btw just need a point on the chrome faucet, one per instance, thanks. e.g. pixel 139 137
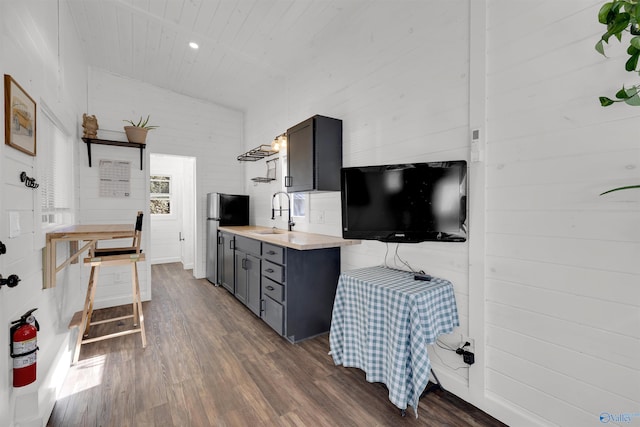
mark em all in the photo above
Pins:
pixel 290 223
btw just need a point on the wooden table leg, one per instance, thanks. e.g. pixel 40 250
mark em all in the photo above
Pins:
pixel 83 328
pixel 73 248
pixel 50 264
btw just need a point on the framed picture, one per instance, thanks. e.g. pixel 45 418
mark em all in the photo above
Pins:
pixel 19 117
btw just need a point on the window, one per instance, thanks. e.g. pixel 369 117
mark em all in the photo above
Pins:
pixel 298 200
pixel 160 195
pixel 55 164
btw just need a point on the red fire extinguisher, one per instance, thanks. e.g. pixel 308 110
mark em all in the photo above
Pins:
pixel 24 344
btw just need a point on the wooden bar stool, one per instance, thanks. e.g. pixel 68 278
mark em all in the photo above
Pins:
pixel 108 257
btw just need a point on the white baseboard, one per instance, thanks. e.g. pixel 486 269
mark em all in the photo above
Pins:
pixel 33 404
pixel 497 408
pixel 163 260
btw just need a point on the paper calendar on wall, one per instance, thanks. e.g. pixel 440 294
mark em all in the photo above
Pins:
pixel 115 178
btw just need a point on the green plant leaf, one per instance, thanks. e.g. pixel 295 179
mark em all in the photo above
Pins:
pixel 632 62
pixel 615 8
pixel 635 42
pixel 600 48
pixel 633 98
pixel 631 50
pixel 142 123
pixel 628 187
pixel 634 101
pixel 605 102
pixel 604 13
pixel 620 24
pixel 627 6
pixel 622 93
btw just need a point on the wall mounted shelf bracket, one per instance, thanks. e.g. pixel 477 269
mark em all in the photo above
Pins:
pixel 90 141
pixel 257 153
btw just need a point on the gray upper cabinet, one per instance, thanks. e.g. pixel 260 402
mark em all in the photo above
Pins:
pixel 314 155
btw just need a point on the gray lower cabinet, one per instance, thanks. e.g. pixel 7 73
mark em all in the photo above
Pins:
pixel 273 313
pixel 226 260
pixel 247 272
pixel 291 290
pixel 298 289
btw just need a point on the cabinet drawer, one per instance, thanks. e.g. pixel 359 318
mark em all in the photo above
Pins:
pixel 273 289
pixel 273 315
pixel 247 245
pixel 273 253
pixel 273 271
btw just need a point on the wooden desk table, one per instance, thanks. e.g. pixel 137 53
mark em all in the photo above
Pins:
pixel 89 233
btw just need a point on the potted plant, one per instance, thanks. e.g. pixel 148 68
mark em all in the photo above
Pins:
pixel 137 132
pixel 620 17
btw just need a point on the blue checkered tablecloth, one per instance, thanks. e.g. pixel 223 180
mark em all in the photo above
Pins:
pixel 383 320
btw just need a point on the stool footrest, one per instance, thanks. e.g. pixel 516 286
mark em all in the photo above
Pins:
pixel 77 318
pixel 113 319
pixel 113 335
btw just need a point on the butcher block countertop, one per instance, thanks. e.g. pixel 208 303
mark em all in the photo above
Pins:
pixel 299 240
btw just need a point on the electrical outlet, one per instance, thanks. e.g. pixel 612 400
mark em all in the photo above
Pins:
pixel 317 217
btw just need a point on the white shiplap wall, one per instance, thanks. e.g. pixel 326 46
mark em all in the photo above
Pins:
pixel 210 133
pixel 559 301
pixel 563 301
pixel 40 50
pixel 402 92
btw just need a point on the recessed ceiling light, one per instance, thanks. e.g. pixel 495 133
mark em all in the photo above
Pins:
pixel 193 45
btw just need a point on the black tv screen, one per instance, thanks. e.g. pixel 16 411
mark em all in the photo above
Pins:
pixel 408 203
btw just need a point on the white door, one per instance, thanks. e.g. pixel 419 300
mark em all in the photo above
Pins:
pixel 172 199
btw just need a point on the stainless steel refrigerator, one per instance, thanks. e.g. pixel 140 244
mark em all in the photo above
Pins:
pixel 222 210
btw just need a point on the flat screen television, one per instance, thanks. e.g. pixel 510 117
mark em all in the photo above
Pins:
pixel 407 203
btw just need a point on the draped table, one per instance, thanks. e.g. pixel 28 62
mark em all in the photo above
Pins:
pixel 383 320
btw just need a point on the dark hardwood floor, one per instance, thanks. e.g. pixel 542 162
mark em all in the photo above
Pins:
pixel 210 362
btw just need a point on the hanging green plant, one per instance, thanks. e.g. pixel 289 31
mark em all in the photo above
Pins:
pixel 620 17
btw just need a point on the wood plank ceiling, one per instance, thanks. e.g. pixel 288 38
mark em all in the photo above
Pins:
pixel 246 46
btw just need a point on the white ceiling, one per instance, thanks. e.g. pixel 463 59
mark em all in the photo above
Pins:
pixel 245 45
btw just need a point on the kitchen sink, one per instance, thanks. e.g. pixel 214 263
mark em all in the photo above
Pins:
pixel 270 231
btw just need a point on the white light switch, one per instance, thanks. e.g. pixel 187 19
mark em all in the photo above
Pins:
pixel 14 224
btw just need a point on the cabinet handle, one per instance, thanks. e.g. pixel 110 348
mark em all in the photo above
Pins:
pixel 270 288
pixel 287 181
pixel 269 270
pixel 232 244
pixel 271 253
pixel 219 240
